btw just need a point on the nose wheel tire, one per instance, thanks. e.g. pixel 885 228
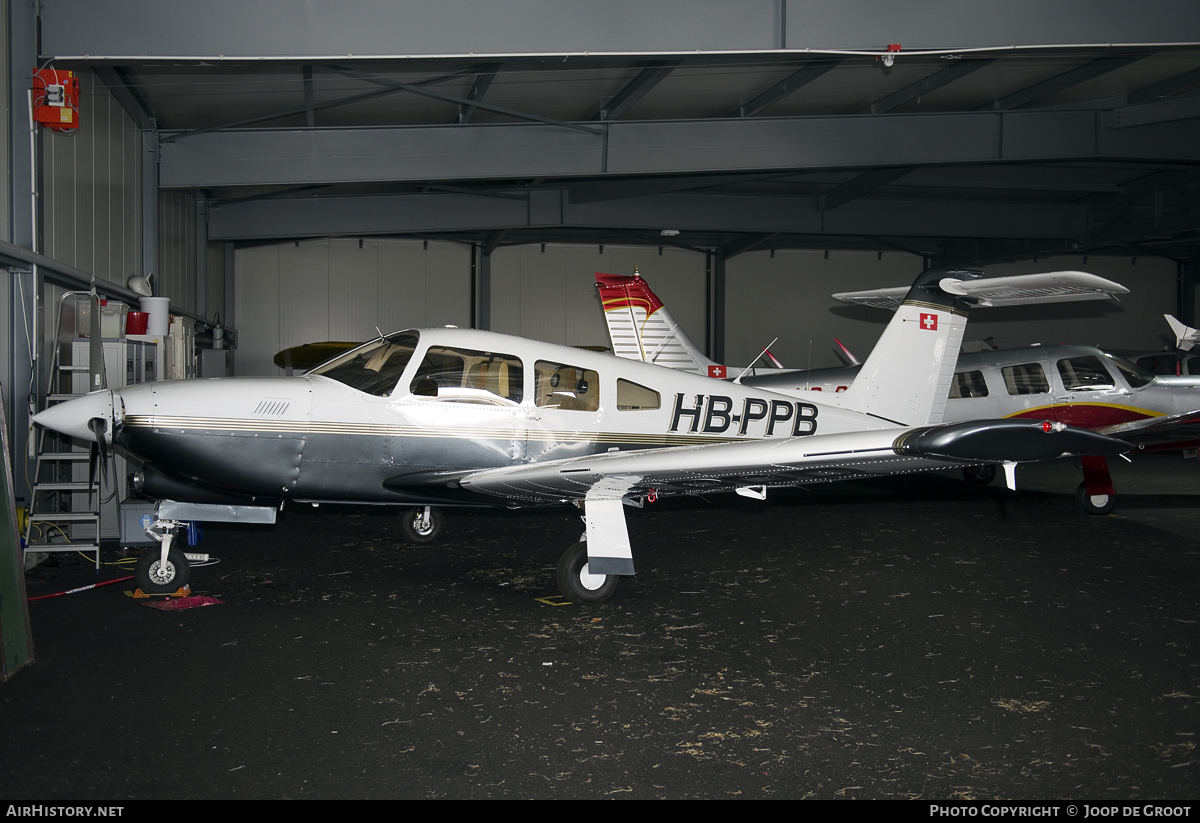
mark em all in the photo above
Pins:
pixel 153 577
pixel 1094 503
pixel 577 584
pixel 419 528
pixel 979 475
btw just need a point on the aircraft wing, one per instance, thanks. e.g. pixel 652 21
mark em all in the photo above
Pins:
pixel 1158 431
pixel 788 462
pixel 1050 287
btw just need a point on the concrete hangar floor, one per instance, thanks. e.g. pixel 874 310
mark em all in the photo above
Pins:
pixel 906 638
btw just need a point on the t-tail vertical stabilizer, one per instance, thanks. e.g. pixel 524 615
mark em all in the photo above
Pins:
pixel 640 327
pixel 906 378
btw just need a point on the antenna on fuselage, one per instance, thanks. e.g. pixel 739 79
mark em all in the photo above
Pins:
pixel 738 379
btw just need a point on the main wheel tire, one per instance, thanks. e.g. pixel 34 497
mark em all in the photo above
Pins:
pixel 154 578
pixel 1094 503
pixel 979 475
pixel 415 530
pixel 576 584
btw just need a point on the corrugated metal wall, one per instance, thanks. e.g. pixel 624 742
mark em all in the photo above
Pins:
pixel 789 296
pixel 91 182
pixel 177 248
pixel 333 290
pixel 295 293
pixel 551 294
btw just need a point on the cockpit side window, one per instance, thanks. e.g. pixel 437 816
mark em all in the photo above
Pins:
pixel 634 397
pixel 466 376
pixel 1134 375
pixel 571 388
pixel 968 384
pixel 374 368
pixel 1084 374
pixel 1027 378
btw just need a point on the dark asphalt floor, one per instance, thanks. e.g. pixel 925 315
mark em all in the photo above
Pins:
pixel 910 638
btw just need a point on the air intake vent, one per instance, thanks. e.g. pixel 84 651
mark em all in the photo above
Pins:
pixel 271 407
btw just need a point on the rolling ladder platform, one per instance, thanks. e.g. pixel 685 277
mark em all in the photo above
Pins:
pixel 64 512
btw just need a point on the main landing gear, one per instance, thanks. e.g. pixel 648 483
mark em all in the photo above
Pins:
pixel 579 585
pixel 421 525
pixel 1096 494
pixel 979 475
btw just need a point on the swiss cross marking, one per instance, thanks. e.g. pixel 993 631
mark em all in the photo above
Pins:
pixel 717 372
pixel 929 321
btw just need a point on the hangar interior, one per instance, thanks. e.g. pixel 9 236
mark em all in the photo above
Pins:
pixel 288 173
pixel 365 167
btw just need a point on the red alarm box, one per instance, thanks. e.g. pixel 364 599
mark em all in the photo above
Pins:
pixel 56 99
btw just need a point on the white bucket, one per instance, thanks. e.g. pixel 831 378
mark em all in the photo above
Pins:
pixel 159 309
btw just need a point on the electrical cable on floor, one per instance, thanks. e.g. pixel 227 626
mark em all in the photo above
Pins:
pixel 81 588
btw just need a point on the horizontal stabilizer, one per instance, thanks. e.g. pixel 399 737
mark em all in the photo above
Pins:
pixel 1017 290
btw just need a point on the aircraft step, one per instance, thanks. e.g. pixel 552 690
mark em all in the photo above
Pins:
pixel 73 368
pixel 44 517
pixel 79 486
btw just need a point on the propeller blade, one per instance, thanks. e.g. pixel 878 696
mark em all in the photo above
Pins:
pixel 99 426
pixel 96 376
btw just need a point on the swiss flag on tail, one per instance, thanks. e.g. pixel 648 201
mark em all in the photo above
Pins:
pixel 929 322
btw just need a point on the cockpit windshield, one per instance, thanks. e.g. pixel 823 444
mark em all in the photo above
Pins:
pixel 374 368
pixel 1134 374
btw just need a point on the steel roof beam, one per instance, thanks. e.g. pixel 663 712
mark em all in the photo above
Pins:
pixel 478 89
pixel 636 89
pixel 1167 88
pixel 933 82
pixel 127 95
pixel 523 151
pixel 549 210
pixel 792 83
pixel 1061 82
pixel 864 183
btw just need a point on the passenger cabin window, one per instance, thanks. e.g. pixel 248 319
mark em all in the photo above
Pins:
pixel 632 397
pixel 374 368
pixel 559 386
pixel 1027 378
pixel 1134 375
pixel 1084 374
pixel 968 384
pixel 464 376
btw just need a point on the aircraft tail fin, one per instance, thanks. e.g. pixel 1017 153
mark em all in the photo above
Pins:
pixel 640 327
pixel 906 378
pixel 1185 336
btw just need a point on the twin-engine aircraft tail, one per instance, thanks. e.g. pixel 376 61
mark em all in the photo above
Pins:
pixel 640 327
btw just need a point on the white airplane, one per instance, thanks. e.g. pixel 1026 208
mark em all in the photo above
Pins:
pixel 1078 385
pixel 455 417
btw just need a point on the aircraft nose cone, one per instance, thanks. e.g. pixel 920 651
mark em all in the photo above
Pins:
pixel 72 417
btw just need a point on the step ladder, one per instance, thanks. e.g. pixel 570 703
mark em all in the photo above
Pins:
pixel 64 512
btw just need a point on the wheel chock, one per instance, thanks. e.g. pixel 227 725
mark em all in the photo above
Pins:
pixel 138 594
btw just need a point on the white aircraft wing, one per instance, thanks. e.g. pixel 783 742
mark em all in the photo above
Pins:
pixel 1050 287
pixel 788 462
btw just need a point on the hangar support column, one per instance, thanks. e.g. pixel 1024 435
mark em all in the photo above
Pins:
pixel 22 303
